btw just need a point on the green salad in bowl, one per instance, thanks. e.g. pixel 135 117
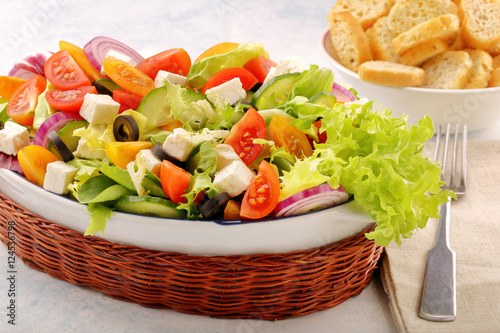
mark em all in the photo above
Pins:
pixel 233 137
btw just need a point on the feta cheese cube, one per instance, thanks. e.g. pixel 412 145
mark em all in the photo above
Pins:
pixel 225 155
pixel 83 150
pixel 13 137
pixel 229 92
pixel 179 144
pixel 99 109
pixel 170 77
pixel 151 162
pixel 233 179
pixel 59 175
pixel 287 65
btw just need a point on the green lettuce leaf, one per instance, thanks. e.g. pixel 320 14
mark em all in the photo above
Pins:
pixel 199 182
pixel 99 215
pixel 378 159
pixel 203 70
pixel 101 188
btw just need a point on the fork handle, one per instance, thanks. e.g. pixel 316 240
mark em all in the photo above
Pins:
pixel 438 302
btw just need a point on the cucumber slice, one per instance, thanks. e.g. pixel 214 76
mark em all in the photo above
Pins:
pixel 152 206
pixel 156 107
pixel 275 92
pixel 324 97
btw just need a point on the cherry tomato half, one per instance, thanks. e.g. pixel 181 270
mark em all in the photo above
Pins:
pixel 63 72
pixel 22 104
pixel 251 126
pixel 175 181
pixel 262 195
pixel 175 61
pixel 220 48
pixel 127 100
pixel 227 74
pixel 259 67
pixel 289 137
pixel 81 59
pixel 69 100
pixel 33 161
pixel 128 77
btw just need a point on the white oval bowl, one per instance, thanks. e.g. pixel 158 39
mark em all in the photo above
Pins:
pixel 208 238
pixel 478 108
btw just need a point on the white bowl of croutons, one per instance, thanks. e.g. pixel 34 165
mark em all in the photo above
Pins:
pixel 420 58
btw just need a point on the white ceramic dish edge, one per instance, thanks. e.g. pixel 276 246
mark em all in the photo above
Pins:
pixel 475 107
pixel 194 237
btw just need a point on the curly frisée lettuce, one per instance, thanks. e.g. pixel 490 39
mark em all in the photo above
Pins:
pixel 379 161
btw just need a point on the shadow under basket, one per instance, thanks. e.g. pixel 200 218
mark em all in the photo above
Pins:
pixel 269 286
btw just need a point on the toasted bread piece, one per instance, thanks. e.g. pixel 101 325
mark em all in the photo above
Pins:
pixel 366 11
pixel 495 49
pixel 496 62
pixel 458 42
pixel 406 14
pixel 349 40
pixel 391 74
pixel 422 52
pixel 448 70
pixel 444 27
pixel 482 66
pixel 380 38
pixel 480 22
pixel 495 78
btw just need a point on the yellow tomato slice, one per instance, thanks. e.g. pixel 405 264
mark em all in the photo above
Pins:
pixel 220 48
pixel 33 160
pixel 289 137
pixel 9 85
pixel 122 153
pixel 128 77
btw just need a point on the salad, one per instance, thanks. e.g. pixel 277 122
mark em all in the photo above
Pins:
pixel 232 135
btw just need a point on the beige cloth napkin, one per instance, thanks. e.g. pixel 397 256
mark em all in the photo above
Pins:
pixel 475 238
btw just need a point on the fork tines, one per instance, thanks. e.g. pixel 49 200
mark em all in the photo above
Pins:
pixel 455 179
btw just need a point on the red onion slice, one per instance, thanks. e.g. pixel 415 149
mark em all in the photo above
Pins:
pixel 342 94
pixel 97 49
pixel 53 123
pixel 313 198
pixel 30 66
pixel 10 162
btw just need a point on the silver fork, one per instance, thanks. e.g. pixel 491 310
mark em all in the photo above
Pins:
pixel 438 300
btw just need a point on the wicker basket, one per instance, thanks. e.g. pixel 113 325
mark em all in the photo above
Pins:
pixel 263 286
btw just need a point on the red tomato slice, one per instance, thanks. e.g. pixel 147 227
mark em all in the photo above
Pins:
pixel 33 161
pixel 227 74
pixel 81 59
pixel 175 181
pixel 127 100
pixel 128 77
pixel 259 67
pixel 289 137
pixel 63 72
pixel 262 195
pixel 22 104
pixel 175 61
pixel 251 126
pixel 69 100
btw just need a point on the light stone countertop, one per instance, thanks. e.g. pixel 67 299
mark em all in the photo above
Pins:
pixel 286 28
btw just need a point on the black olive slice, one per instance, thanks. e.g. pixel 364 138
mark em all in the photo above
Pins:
pixel 1 126
pixel 60 146
pixel 101 89
pixel 161 154
pixel 256 87
pixel 214 208
pixel 125 128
